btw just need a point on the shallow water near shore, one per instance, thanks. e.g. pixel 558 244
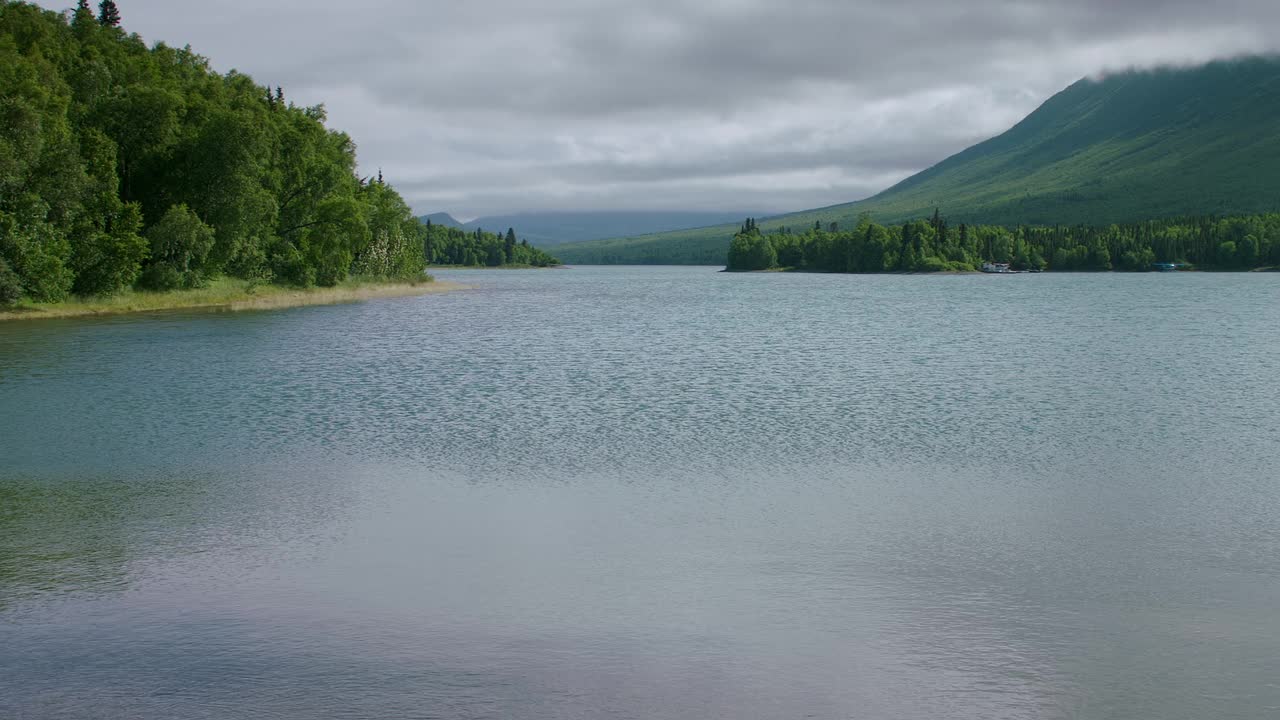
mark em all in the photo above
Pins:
pixel 652 493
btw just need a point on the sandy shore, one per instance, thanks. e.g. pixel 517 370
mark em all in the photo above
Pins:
pixel 226 294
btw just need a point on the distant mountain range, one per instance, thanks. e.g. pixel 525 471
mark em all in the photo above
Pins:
pixel 1128 147
pixel 549 229
pixel 441 218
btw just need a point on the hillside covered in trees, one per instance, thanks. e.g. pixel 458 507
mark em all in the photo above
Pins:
pixel 1240 243
pixel 554 228
pixel 123 165
pixel 1125 148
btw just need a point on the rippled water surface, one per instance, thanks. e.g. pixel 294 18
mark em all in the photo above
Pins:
pixel 653 493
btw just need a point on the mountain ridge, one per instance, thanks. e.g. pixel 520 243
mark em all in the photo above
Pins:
pixel 441 218
pixel 1125 147
pixel 552 228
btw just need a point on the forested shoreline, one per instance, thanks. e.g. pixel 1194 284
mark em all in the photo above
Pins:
pixel 453 246
pixel 124 166
pixel 1237 243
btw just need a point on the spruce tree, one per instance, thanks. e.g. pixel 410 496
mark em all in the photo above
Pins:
pixel 108 14
pixel 83 16
pixel 509 245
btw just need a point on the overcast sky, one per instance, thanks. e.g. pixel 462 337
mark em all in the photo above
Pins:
pixel 765 105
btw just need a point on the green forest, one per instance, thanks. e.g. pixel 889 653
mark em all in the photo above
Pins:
pixel 1238 243
pixel 127 166
pixel 447 245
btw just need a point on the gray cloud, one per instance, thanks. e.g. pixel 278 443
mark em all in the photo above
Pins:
pixel 506 105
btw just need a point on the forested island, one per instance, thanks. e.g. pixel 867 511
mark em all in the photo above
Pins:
pixel 1237 243
pixel 126 168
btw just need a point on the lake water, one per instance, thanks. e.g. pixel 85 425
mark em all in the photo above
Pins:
pixel 653 493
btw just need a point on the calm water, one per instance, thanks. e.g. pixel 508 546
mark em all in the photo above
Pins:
pixel 653 493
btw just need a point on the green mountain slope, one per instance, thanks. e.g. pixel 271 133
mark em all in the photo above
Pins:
pixel 550 228
pixel 1131 146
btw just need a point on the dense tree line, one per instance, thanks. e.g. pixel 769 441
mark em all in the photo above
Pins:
pixel 123 165
pixel 454 246
pixel 1238 243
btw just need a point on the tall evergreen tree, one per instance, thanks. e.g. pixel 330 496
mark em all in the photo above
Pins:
pixel 83 16
pixel 509 245
pixel 108 14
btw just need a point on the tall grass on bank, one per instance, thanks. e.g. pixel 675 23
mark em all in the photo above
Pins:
pixel 231 294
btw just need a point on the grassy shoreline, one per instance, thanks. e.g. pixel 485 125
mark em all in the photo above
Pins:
pixel 227 294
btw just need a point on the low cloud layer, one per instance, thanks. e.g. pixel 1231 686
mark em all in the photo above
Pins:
pixel 501 106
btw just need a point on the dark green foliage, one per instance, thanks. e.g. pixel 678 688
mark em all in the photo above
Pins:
pixel 109 259
pixel 122 164
pixel 180 245
pixel 509 246
pixel 1137 260
pixel 444 245
pixel 750 250
pixel 108 14
pixel 1239 243
pixel 1127 148
pixel 161 276
pixel 10 285
pixel 395 241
